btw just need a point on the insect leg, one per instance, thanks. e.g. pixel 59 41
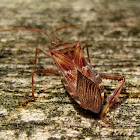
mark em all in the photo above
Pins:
pixel 37 71
pixel 112 99
pixel 36 52
pixel 85 46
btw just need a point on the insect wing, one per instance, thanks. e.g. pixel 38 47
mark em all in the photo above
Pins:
pixel 66 67
pixel 82 65
pixel 88 93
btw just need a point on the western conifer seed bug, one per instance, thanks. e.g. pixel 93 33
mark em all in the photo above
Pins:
pixel 78 75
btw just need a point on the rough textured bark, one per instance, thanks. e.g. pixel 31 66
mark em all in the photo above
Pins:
pixel 111 29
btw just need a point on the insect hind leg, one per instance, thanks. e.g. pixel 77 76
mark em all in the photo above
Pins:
pixel 112 99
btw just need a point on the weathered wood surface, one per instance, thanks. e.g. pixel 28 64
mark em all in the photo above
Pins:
pixel 112 31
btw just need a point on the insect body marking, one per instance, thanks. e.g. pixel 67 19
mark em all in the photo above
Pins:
pixel 85 68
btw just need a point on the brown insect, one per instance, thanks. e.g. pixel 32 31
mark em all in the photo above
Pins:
pixel 79 77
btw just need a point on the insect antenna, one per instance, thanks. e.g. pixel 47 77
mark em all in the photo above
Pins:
pixel 64 27
pixel 28 29
pixel 55 38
